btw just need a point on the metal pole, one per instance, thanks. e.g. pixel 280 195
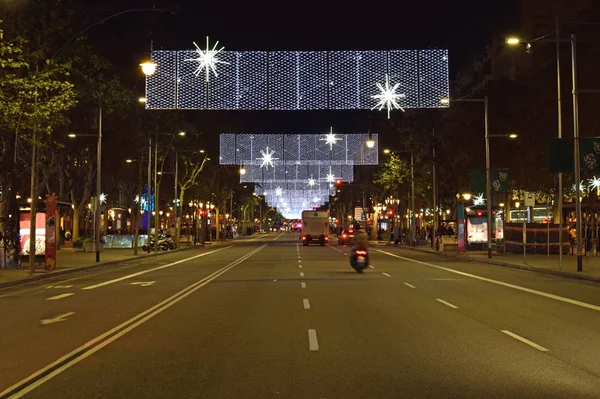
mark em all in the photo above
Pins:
pixel 98 179
pixel 413 225
pixel 33 205
pixel 560 176
pixel 488 178
pixel 156 206
pixel 136 233
pixel 435 211
pixel 149 196
pixel 576 150
pixel 177 217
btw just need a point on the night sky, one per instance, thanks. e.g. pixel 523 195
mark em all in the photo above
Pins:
pixel 463 27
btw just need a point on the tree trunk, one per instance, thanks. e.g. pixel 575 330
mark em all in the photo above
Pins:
pixel 217 225
pixel 76 217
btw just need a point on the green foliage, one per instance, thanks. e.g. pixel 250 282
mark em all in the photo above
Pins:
pixel 31 96
pixel 392 173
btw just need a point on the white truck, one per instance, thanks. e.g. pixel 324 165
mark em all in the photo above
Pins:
pixel 315 227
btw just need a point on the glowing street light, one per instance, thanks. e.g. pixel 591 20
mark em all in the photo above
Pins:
pixel 181 134
pixel 513 136
pixel 148 68
pixel 513 40
pixel 143 100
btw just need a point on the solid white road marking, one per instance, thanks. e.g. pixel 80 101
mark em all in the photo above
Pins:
pixel 371 267
pixel 303 284
pixel 59 286
pixel 446 303
pixel 385 274
pixel 306 304
pixel 275 239
pixel 525 340
pixel 61 296
pixel 445 279
pixel 313 344
pixel 502 283
pixel 409 285
pixel 144 283
pixel 345 254
pixel 60 317
pixel 301 274
pixel 91 287
pixel 45 374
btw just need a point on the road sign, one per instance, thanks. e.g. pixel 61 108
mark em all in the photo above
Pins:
pixel 529 199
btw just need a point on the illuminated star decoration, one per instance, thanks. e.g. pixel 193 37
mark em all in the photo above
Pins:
pixel 330 176
pixel 479 200
pixel 102 198
pixel 278 191
pixel 311 182
pixel 388 96
pixel 330 139
pixel 267 158
pixel 207 59
pixel 594 182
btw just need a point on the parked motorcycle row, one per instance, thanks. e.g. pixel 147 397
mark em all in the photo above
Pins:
pixel 164 243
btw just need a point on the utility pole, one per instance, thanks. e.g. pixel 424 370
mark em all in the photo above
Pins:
pixel 435 211
pixel 149 201
pixel 98 188
pixel 578 228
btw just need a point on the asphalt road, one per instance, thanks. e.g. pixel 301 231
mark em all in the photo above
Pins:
pixel 268 318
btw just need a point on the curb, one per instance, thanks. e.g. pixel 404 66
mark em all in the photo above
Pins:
pixel 511 265
pixel 82 268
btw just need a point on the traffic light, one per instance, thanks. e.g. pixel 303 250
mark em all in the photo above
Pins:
pixel 338 183
pixel 390 213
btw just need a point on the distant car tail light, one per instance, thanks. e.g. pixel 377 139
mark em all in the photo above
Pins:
pixel 344 236
pixel 304 237
pixel 326 238
pixel 361 252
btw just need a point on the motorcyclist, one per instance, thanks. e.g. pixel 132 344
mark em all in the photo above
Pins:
pixel 361 238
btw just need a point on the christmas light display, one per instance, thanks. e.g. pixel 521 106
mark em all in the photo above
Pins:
pixel 297 173
pixel 297 80
pixel 299 149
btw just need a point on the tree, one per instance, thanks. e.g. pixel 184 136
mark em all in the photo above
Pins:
pixel 34 99
pixel 192 167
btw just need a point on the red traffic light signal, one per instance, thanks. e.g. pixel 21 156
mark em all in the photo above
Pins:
pixel 390 212
pixel 338 182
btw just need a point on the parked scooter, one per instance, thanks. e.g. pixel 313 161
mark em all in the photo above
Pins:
pixel 164 243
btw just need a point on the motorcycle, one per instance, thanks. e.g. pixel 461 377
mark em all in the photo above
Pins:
pixel 164 243
pixel 359 259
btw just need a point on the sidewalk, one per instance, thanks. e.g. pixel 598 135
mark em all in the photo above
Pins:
pixel 68 261
pixel 537 263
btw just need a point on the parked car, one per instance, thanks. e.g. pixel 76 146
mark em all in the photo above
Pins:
pixel 346 237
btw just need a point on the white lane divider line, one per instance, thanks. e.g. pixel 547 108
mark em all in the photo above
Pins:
pixel 59 286
pixel 525 340
pixel 409 285
pixel 345 254
pixel 56 319
pixel 313 344
pixel 53 369
pixel 301 274
pixel 300 266
pixel 91 287
pixel 299 261
pixel 371 267
pixel 446 303
pixel 385 274
pixel 303 284
pixel 61 296
pixel 306 304
pixel 502 283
